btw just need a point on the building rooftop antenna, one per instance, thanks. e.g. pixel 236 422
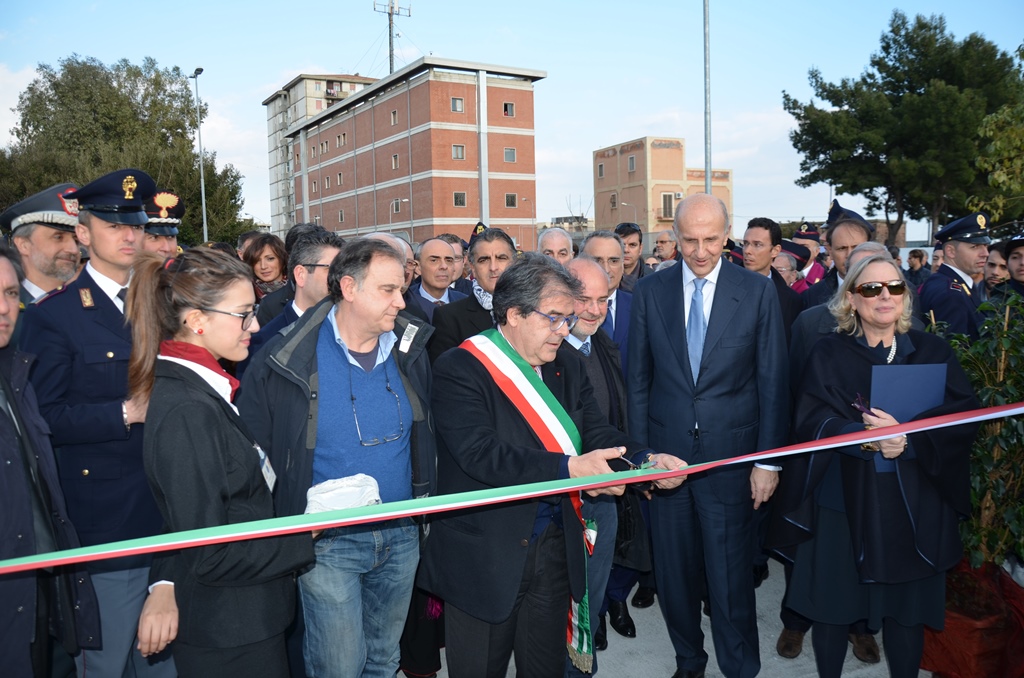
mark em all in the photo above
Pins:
pixel 391 8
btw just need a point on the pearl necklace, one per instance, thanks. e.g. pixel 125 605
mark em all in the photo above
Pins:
pixel 892 351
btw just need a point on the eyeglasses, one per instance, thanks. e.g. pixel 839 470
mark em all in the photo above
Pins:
pixel 557 321
pixel 398 403
pixel 246 317
pixel 317 265
pixel 785 270
pixel 752 245
pixel 873 289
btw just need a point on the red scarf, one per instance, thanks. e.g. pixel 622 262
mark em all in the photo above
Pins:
pixel 198 355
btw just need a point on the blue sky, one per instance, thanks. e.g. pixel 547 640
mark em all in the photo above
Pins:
pixel 616 70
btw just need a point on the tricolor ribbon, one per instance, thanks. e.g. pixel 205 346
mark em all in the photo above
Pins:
pixel 272 527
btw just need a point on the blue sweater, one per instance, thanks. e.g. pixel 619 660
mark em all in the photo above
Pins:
pixel 338 451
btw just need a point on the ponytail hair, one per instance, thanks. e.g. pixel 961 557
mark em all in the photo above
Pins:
pixel 161 291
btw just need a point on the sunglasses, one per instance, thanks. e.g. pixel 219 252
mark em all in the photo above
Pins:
pixel 873 289
pixel 627 228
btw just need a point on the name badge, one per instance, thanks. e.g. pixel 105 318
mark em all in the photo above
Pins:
pixel 407 337
pixel 268 471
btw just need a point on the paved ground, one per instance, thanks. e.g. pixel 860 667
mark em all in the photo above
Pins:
pixel 650 653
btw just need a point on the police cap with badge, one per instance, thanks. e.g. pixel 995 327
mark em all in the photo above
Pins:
pixel 50 207
pixel 165 210
pixel 118 197
pixel 807 232
pixel 973 229
pixel 800 253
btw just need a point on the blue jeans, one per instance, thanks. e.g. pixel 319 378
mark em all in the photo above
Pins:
pixel 356 598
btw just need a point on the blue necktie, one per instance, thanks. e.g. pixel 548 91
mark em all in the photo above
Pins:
pixel 696 327
pixel 585 347
pixel 609 320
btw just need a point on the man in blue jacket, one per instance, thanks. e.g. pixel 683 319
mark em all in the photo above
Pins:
pixel 355 360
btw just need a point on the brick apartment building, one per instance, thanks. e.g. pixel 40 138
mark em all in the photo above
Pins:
pixel 435 147
pixel 643 180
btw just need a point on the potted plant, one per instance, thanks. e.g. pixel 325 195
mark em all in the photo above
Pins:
pixel 984 634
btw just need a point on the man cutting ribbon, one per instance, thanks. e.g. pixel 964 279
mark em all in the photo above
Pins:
pixel 513 407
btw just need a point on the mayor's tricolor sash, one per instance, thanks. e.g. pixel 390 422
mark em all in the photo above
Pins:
pixel 555 429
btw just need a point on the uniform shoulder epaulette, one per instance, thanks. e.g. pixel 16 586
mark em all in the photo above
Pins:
pixel 51 294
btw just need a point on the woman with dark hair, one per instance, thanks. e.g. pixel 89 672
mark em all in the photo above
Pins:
pixel 872 529
pixel 267 257
pixel 234 600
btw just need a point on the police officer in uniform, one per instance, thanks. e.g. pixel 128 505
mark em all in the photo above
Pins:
pixel 42 229
pixel 81 379
pixel 164 210
pixel 948 295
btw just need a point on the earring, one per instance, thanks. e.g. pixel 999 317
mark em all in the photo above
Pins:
pixel 199 331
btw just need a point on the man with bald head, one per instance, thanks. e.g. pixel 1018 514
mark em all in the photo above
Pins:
pixel 555 243
pixel 708 378
pixel 435 262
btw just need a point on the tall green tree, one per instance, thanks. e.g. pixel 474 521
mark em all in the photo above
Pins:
pixel 905 134
pixel 82 119
pixel 1002 161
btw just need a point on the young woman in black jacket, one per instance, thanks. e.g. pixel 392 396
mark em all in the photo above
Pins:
pixel 233 600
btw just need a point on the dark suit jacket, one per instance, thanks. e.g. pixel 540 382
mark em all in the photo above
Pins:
pixel 274 303
pixel 741 400
pixel 789 301
pixel 455 323
pixel 622 309
pixel 463 286
pixel 81 379
pixel 821 291
pixel 474 559
pixel 428 307
pixel 204 472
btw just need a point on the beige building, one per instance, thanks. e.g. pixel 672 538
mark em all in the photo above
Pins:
pixel 302 98
pixel 434 147
pixel 643 180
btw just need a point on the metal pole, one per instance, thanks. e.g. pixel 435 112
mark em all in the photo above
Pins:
pixel 391 35
pixel 199 134
pixel 707 102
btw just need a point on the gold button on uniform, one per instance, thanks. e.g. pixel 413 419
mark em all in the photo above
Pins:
pixel 85 471
pixel 110 354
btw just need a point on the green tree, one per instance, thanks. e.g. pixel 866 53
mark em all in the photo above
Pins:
pixel 1002 160
pixel 83 119
pixel 904 135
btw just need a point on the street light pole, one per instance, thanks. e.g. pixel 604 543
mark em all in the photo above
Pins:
pixel 199 134
pixel 533 219
pixel 391 217
pixel 632 207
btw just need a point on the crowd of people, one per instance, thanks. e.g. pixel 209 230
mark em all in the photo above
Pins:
pixel 148 388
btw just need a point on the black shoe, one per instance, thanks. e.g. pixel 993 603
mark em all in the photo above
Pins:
pixel 618 617
pixel 760 574
pixel 688 673
pixel 601 635
pixel 644 597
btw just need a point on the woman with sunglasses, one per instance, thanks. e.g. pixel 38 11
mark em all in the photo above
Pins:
pixel 872 529
pixel 234 600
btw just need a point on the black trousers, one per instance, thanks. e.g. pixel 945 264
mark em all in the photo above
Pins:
pixel 535 631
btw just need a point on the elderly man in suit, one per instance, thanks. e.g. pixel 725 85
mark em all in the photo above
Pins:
pixel 512 405
pixel 708 380
pixel 491 251
pixel 81 378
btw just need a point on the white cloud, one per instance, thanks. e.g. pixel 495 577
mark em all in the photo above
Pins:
pixel 11 85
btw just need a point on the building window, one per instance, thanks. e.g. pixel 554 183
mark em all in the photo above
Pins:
pixel 600 170
pixel 337 142
pixel 458 152
pixel 314 186
pixel 396 206
pixel 509 109
pixel 344 138
pixel 341 181
pixel 510 200
pixel 319 104
pixel 667 206
pixel 341 216
pixel 460 199
pixel 327 182
pixel 458 105
pixel 394 161
pixel 394 117
pixel 510 155
pixel 296 158
pixel 631 163
pixel 614 201
pixel 317 85
pixel 312 151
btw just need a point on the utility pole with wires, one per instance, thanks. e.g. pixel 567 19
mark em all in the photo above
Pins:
pixel 392 9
